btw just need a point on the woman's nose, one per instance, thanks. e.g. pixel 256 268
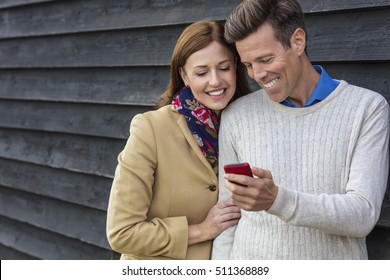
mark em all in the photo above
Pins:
pixel 215 80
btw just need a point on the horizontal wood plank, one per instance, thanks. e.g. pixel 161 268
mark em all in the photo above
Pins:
pixel 355 36
pixel 310 6
pixel 131 86
pixel 42 244
pixel 18 3
pixel 89 155
pixel 86 190
pixel 71 220
pixel 85 16
pixel 8 253
pixel 139 47
pixel 75 118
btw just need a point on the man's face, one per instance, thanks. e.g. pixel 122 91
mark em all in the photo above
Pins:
pixel 274 68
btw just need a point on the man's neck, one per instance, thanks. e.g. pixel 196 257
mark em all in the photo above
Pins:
pixel 307 83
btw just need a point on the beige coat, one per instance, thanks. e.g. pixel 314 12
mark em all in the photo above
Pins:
pixel 162 183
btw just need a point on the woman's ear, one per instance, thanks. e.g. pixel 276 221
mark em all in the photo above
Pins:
pixel 298 41
pixel 183 75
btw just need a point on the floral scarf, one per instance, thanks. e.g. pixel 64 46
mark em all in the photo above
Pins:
pixel 202 122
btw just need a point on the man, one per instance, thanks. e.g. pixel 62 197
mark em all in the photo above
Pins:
pixel 318 147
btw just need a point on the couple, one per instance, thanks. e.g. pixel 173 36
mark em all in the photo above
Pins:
pixel 318 149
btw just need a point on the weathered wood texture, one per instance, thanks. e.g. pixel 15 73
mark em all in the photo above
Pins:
pixel 15 3
pixel 124 86
pixel 74 73
pixel 153 46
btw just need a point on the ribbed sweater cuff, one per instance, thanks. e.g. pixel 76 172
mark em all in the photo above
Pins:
pixel 284 205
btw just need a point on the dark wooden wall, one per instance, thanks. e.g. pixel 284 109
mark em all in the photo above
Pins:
pixel 74 73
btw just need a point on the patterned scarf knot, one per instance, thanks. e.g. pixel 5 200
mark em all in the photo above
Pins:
pixel 202 122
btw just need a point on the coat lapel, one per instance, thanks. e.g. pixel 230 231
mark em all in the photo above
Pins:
pixel 190 139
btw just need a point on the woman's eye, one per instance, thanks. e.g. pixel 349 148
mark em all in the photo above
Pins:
pixel 200 74
pixel 225 69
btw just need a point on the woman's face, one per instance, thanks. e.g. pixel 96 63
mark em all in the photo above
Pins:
pixel 211 75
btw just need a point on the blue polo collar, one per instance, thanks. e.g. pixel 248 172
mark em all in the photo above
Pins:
pixel 325 86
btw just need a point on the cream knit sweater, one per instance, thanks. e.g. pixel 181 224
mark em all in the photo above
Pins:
pixel 330 162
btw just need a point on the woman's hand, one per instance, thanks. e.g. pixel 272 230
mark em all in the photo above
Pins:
pixel 220 217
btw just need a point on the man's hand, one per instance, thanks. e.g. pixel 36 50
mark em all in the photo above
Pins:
pixel 252 193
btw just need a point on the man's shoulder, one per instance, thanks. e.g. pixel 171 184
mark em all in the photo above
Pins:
pixel 364 94
pixel 244 102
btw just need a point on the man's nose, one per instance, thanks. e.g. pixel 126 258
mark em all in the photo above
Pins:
pixel 259 73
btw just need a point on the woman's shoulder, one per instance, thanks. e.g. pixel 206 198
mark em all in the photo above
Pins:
pixel 157 117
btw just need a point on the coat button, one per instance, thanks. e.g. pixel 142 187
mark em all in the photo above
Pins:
pixel 212 188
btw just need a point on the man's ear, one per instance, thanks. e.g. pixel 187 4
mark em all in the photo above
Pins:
pixel 298 41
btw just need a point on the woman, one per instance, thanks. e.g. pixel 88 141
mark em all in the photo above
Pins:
pixel 163 198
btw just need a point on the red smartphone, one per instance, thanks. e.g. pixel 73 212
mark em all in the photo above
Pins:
pixel 239 168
